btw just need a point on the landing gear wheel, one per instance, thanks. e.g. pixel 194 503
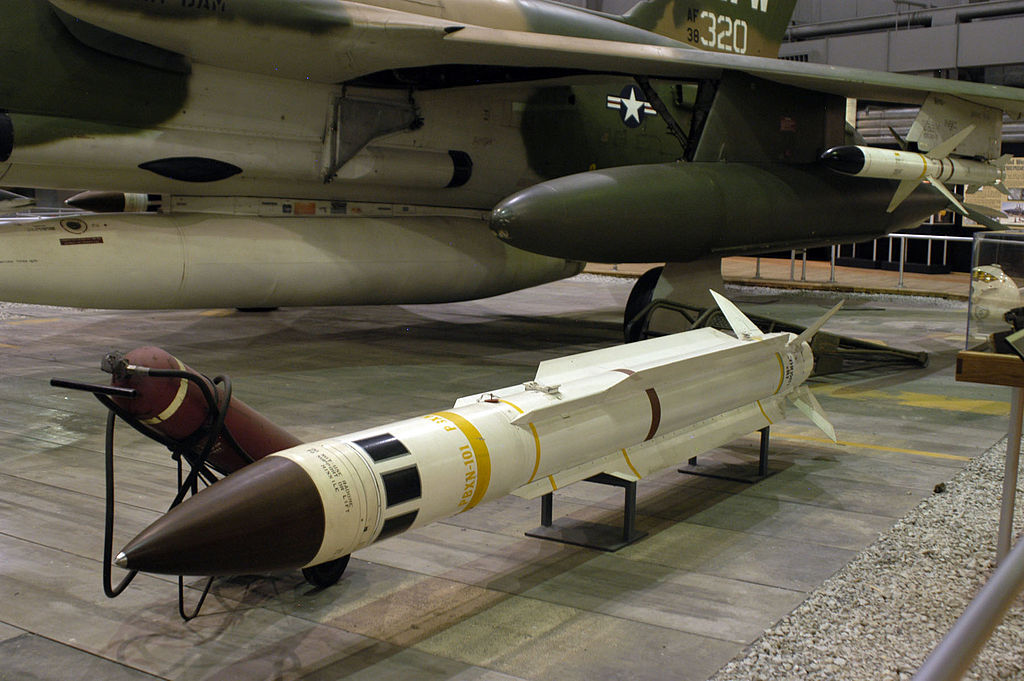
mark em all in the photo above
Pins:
pixel 326 574
pixel 639 298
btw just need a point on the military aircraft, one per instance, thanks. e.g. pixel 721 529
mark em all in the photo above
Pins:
pixel 325 152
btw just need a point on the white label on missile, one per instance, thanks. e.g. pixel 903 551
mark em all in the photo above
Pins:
pixel 349 493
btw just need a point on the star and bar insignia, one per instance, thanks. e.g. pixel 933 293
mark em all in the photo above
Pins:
pixel 630 106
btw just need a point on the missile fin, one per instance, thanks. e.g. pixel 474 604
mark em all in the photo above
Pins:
pixel 11 202
pixel 900 140
pixel 572 367
pixel 946 148
pixel 985 216
pixel 957 206
pixel 905 189
pixel 805 401
pixel 740 323
pixel 807 334
pixel 985 210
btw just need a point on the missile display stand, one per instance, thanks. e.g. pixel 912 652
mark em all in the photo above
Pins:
pixel 692 467
pixel 592 535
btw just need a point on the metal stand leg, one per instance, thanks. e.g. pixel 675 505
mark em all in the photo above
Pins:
pixel 1010 475
pixel 724 472
pixel 546 507
pixel 592 535
pixel 762 464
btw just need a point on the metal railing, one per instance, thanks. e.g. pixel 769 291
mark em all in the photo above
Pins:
pixel 893 239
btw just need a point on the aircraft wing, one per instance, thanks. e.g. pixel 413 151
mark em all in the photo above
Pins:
pixel 488 46
pixel 339 42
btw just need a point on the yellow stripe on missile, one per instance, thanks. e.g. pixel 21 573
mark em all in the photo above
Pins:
pixel 763 413
pixel 782 373
pixel 536 441
pixel 630 464
pixel 480 454
pixel 924 172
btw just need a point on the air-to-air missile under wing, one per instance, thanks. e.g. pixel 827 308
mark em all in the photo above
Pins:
pixel 352 137
pixel 627 411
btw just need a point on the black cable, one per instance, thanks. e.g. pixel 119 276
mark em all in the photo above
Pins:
pixel 108 527
pixel 213 429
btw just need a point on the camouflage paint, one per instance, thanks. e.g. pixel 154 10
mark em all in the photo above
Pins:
pixel 749 27
pixel 44 70
pixel 311 16
pixel 570 129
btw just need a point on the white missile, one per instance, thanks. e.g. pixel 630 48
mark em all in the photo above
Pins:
pixel 625 411
pixel 912 168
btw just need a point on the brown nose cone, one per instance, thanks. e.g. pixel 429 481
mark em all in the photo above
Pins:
pixel 267 516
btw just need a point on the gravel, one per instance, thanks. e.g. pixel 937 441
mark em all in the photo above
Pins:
pixel 880 616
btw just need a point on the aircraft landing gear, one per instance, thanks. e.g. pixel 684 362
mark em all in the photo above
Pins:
pixel 326 574
pixel 640 296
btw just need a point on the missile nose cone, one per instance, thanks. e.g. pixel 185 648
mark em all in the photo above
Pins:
pixel 517 217
pixel 847 159
pixel 268 516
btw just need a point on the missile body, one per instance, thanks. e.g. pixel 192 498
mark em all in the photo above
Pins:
pixel 890 164
pixel 626 411
pixel 608 215
pixel 154 261
pixel 116 202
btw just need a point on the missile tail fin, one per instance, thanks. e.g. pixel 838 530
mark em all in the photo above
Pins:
pixel 946 148
pixel 11 202
pixel 805 401
pixel 807 334
pixel 957 205
pixel 985 216
pixel 900 140
pixel 740 323
pixel 905 189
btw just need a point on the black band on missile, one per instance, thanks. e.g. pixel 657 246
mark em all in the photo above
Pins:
pixel 382 447
pixel 402 485
pixel 463 168
pixel 6 136
pixel 397 525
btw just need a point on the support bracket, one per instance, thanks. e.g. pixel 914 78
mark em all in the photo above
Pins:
pixel 592 535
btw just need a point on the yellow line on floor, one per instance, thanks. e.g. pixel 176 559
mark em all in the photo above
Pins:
pixel 46 320
pixel 917 400
pixel 217 313
pixel 877 448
